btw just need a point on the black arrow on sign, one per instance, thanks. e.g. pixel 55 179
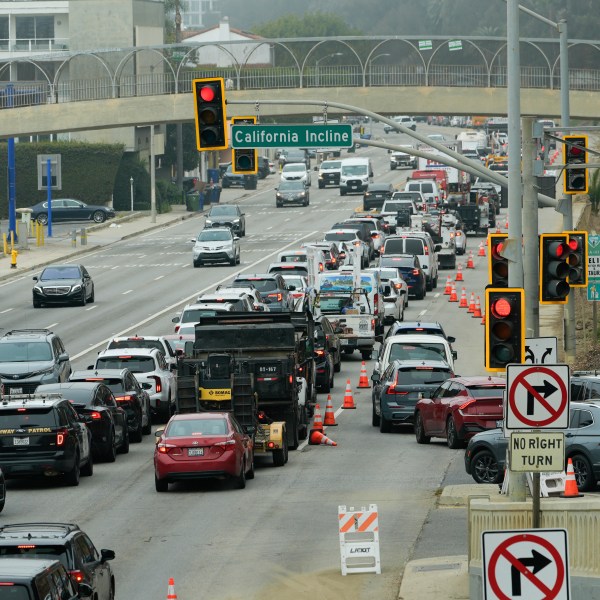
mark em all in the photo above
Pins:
pixel 546 390
pixel 529 355
pixel 548 352
pixel 537 561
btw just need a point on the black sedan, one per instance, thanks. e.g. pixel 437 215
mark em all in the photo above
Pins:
pixel 68 209
pixel 411 271
pixel 227 215
pixel 327 354
pixel 63 284
pixel 97 407
pixel 129 394
pixel 486 451
pixel 246 180
pixel 292 192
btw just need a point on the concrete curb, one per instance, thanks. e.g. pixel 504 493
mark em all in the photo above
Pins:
pixel 444 577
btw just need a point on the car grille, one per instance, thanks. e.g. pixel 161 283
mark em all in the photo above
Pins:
pixel 354 182
pixel 57 291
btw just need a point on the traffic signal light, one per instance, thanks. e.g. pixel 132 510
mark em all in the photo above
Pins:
pixel 497 264
pixel 245 160
pixel 578 258
pixel 211 118
pixel 504 327
pixel 575 153
pixel 554 268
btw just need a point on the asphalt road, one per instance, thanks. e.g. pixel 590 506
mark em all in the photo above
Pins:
pixel 278 536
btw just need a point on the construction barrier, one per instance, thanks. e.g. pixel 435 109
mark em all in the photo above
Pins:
pixel 359 539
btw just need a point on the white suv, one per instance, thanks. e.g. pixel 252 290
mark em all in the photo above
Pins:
pixel 404 120
pixel 296 172
pixel 149 366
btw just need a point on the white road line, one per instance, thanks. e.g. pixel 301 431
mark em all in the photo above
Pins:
pixel 436 295
pixel 127 292
pixel 113 268
pixel 422 313
pixel 92 307
pixel 190 297
pixel 5 311
pixel 52 325
pixel 159 277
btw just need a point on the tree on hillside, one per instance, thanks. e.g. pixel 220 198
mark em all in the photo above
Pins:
pixel 317 24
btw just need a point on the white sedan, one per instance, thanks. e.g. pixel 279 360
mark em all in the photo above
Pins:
pixel 393 302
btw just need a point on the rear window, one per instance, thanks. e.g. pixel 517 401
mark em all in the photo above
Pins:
pixel 418 331
pixel 339 236
pixel 423 375
pixel 294 269
pixel 485 391
pixel 136 364
pixel 48 551
pixel 414 246
pixel 136 344
pixel 404 246
pixel 398 261
pixel 427 188
pixel 22 418
pixel 197 427
pixel 262 285
pixel 10 591
pixel 422 351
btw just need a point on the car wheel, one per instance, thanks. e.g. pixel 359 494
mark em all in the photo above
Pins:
pixel 280 455
pixel 72 477
pixel 239 259
pixel 197 263
pixel 485 468
pixel 147 428
pixel 366 355
pixel 375 417
pixel 434 283
pixel 83 300
pixel 584 475
pixel 92 296
pixel 278 205
pixel 428 285
pixel 124 447
pixel 385 425
pixel 348 351
pixel 110 452
pixel 250 473
pixel 321 186
pixel 42 219
pixel 36 303
pixel 161 485
pixel 136 436
pixel 342 193
pixel 326 387
pixel 88 468
pixel 233 261
pixel 303 429
pixel 337 366
pixel 240 480
pixel 421 294
pixel 99 216
pixel 452 439
pixel 420 430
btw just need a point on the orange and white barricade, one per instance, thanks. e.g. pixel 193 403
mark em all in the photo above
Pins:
pixel 359 539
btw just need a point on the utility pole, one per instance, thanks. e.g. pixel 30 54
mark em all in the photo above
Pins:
pixel 179 125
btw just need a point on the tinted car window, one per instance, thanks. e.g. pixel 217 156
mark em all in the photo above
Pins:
pixel 263 285
pixel 136 364
pixel 585 418
pixel 422 375
pixel 36 551
pixel 31 417
pixel 486 390
pixel 136 344
pixel 25 351
pixel 413 246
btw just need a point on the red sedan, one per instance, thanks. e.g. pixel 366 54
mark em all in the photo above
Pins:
pixel 460 408
pixel 203 445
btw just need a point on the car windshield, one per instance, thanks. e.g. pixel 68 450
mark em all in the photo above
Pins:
pixel 220 211
pixel 423 375
pixel 262 285
pixel 25 351
pixel 354 170
pixel 136 364
pixel 291 186
pixel 34 551
pixel 421 351
pixel 196 427
pixel 53 273
pixel 294 167
pixel 214 236
pixel 486 391
pixel 398 262
pixel 340 236
pixel 116 386
pixel 330 164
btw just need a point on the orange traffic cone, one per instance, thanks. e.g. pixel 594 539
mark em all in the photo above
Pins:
pixel 453 296
pixel 481 250
pixel 171 595
pixel 472 303
pixel 477 311
pixel 463 299
pixel 329 414
pixel 470 263
pixel 448 289
pixel 363 381
pixel 348 398
pixel 483 319
pixel 459 273
pixel 506 224
pixel 571 490
pixel 317 419
pixel 320 439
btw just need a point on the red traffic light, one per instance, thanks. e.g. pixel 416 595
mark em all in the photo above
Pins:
pixel 207 93
pixel 557 249
pixel 573 244
pixel 501 308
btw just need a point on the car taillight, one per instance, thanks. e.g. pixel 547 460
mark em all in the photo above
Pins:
pixel 76 576
pixel 278 297
pixel 61 436
pixel 163 447
pixel 176 328
pixel 415 271
pixel 465 404
pixel 96 415
pixel 320 352
pixel 225 443
pixel 157 383
pixel 426 251
pixel 391 389
pixel 25 546
pixel 373 324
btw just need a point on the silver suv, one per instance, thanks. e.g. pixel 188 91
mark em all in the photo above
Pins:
pixel 216 245
pixel 31 357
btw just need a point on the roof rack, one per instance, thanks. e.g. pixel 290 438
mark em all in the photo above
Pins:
pixel 18 331
pixel 62 528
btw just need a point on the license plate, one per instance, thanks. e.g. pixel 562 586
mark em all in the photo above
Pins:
pixel 21 441
pixel 195 451
pixel 344 342
pixel 16 390
pixel 363 325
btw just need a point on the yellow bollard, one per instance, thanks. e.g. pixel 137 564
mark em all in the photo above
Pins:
pixel 4 240
pixel 13 258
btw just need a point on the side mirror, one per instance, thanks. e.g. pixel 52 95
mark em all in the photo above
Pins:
pixel 90 367
pixel 107 554
pixel 454 354
pixel 379 338
pixel 35 278
pixel 175 320
pixel 375 377
pixel 158 433
pixel 235 238
pixel 437 247
pixel 64 357
pixel 84 590
pixel 193 240
pixel 451 339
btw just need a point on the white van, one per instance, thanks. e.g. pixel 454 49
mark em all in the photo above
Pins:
pixel 429 190
pixel 356 174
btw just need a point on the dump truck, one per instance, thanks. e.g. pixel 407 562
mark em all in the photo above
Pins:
pixel 260 367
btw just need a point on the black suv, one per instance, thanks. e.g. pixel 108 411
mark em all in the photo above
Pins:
pixel 41 434
pixel 68 544
pixel 272 288
pixel 30 357
pixel 227 215
pixel 247 181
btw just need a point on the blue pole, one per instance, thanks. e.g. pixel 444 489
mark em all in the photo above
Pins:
pixel 12 196
pixel 49 196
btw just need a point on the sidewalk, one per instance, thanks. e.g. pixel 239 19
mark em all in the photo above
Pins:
pixel 60 247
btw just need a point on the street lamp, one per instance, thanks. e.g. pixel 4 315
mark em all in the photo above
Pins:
pixel 320 60
pixel 131 192
pixel 373 60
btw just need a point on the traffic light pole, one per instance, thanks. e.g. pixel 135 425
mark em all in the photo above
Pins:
pixel 530 231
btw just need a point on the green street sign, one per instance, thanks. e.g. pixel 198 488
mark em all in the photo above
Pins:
pixel 593 267
pixel 425 45
pixel 292 136
pixel 454 45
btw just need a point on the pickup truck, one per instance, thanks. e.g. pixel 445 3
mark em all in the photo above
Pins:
pixel 402 159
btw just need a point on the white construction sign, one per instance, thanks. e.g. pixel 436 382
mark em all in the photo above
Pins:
pixel 359 539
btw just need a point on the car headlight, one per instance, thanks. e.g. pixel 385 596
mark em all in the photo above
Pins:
pixel 38 289
pixel 208 221
pixel 302 194
pixel 76 288
pixel 236 220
